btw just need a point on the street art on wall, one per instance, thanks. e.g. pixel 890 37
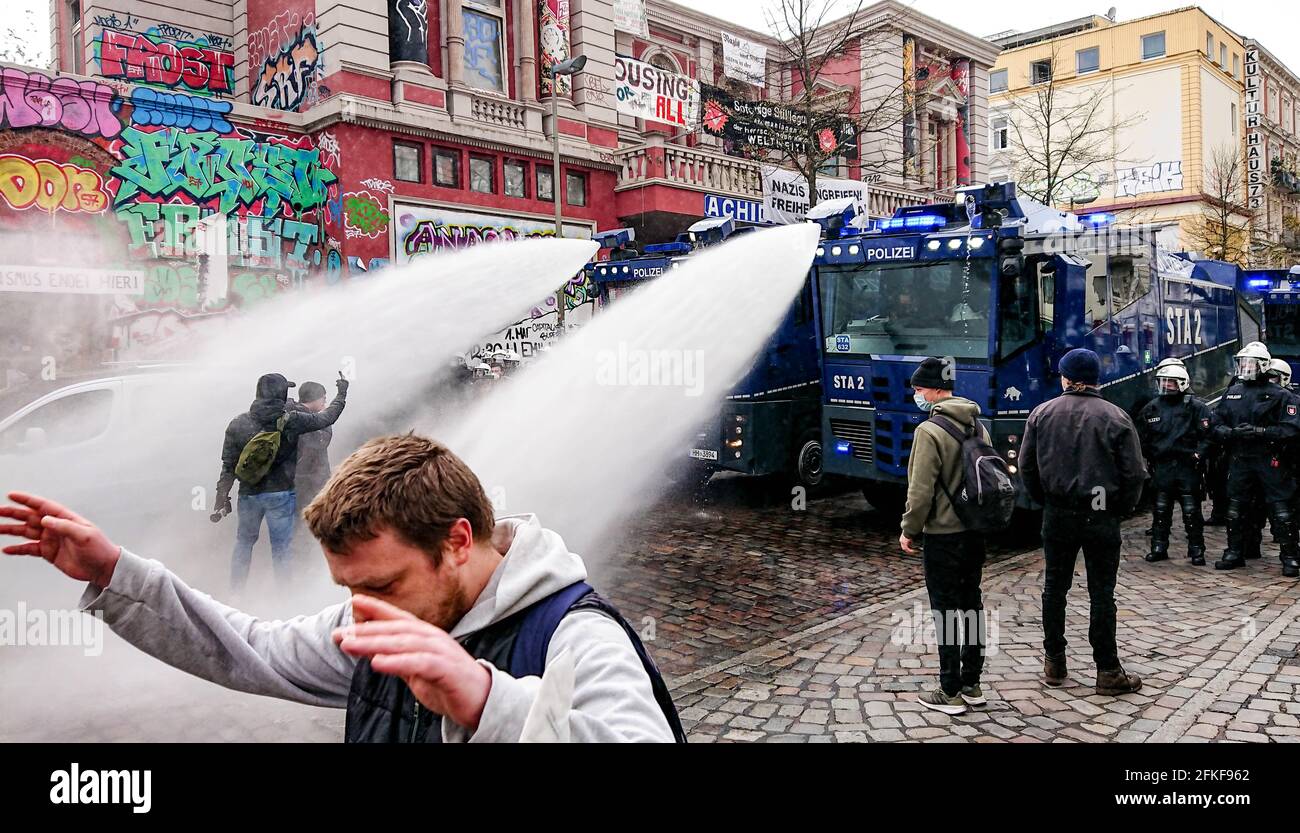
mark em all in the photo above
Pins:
pixel 153 107
pixel 50 186
pixel 154 58
pixel 1149 179
pixel 290 70
pixel 553 31
pixel 34 99
pixel 364 214
pixel 408 30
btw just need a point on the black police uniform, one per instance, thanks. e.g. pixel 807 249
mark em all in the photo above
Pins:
pixel 1176 432
pixel 1257 420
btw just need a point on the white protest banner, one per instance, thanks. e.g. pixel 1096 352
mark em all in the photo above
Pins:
pixel 648 92
pixel 629 16
pixel 785 193
pixel 74 280
pixel 744 60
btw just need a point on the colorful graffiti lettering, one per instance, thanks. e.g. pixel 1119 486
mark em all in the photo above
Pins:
pixel 169 230
pixel 50 186
pixel 289 77
pixel 382 185
pixel 363 214
pixel 179 110
pixel 153 59
pixel 232 170
pixel 33 99
pixel 432 236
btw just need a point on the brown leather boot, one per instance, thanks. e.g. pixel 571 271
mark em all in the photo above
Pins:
pixel 1054 672
pixel 1116 682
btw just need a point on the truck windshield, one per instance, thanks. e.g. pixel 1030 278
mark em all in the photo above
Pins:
pixel 940 308
pixel 1283 323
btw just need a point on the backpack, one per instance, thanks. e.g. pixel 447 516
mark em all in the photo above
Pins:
pixel 986 498
pixel 259 454
pixel 528 654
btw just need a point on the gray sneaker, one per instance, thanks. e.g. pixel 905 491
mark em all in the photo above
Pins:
pixel 941 702
pixel 973 695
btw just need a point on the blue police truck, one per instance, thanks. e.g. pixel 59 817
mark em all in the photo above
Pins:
pixel 1005 286
pixel 1275 295
pixel 769 422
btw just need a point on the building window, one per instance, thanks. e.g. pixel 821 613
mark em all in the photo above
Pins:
pixel 446 168
pixel 1209 45
pixel 998 81
pixel 1153 46
pixel 406 162
pixel 484 62
pixel 1236 65
pixel 1223 56
pixel 833 166
pixel 516 178
pixel 1001 130
pixel 1040 72
pixel 575 188
pixel 1088 60
pixel 1234 119
pixel 545 184
pixel 482 174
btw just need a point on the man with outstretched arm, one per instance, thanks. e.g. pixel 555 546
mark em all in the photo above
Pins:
pixel 454 617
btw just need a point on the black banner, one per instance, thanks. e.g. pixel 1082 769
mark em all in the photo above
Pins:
pixel 756 127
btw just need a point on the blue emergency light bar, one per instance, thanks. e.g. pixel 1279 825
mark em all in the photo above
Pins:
pixel 1259 283
pixel 668 248
pixel 1097 220
pixel 915 222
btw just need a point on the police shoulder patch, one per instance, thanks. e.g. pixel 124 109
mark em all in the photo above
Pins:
pixel 1290 410
pixel 1205 423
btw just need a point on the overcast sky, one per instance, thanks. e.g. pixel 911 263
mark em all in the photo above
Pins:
pixel 1276 24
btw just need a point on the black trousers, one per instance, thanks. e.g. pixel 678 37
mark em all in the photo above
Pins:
pixel 953 567
pixel 1258 485
pixel 1176 482
pixel 1065 532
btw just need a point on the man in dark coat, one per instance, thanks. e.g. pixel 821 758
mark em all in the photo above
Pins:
pixel 271 497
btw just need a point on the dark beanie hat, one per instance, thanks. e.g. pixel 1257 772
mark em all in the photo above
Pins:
pixel 1081 365
pixel 933 373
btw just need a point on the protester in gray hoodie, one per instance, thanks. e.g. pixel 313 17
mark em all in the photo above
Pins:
pixel 438 588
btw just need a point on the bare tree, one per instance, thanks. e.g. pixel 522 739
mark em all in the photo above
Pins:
pixel 1223 231
pixel 811 38
pixel 1062 136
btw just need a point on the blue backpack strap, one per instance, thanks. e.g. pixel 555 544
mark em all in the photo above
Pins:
pixel 528 656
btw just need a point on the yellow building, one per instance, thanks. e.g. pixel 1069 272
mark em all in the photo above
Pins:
pixel 1141 118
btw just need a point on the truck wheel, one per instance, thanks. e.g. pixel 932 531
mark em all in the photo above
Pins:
pixel 808 462
pixel 885 498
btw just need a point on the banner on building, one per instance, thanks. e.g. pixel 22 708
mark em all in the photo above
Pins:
pixel 553 34
pixel 785 193
pixel 629 16
pixel 744 60
pixel 740 210
pixel 71 280
pixel 749 126
pixel 1256 166
pixel 648 92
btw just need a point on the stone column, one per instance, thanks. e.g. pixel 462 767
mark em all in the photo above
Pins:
pixel 455 27
pixel 526 16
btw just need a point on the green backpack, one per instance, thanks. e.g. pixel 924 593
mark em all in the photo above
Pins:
pixel 259 454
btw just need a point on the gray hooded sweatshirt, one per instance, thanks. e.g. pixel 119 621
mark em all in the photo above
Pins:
pixel 296 659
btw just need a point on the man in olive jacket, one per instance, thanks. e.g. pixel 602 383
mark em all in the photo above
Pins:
pixel 953 556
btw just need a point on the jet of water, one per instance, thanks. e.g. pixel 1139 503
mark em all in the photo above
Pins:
pixel 582 436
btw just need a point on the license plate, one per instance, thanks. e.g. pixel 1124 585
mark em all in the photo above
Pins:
pixel 704 454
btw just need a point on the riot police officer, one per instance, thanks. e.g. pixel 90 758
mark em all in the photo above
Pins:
pixel 1256 419
pixel 1176 431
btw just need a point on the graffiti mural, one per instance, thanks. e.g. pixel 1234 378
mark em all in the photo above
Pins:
pixel 364 214
pixel 553 19
pixel 408 30
pixel 1149 179
pixel 154 58
pixel 290 76
pixel 34 99
pixel 152 107
pixel 50 186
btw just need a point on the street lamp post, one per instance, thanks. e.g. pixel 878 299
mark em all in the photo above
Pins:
pixel 572 66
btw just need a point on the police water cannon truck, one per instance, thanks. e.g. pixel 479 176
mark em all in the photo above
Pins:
pixel 1275 295
pixel 1004 286
pixel 769 422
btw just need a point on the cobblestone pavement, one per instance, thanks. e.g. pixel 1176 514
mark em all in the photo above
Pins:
pixel 777 623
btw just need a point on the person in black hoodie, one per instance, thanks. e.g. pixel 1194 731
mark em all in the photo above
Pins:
pixel 1176 429
pixel 272 497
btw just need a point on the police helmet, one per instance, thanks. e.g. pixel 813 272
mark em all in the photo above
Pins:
pixel 1281 370
pixel 1169 361
pixel 1252 361
pixel 1172 380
